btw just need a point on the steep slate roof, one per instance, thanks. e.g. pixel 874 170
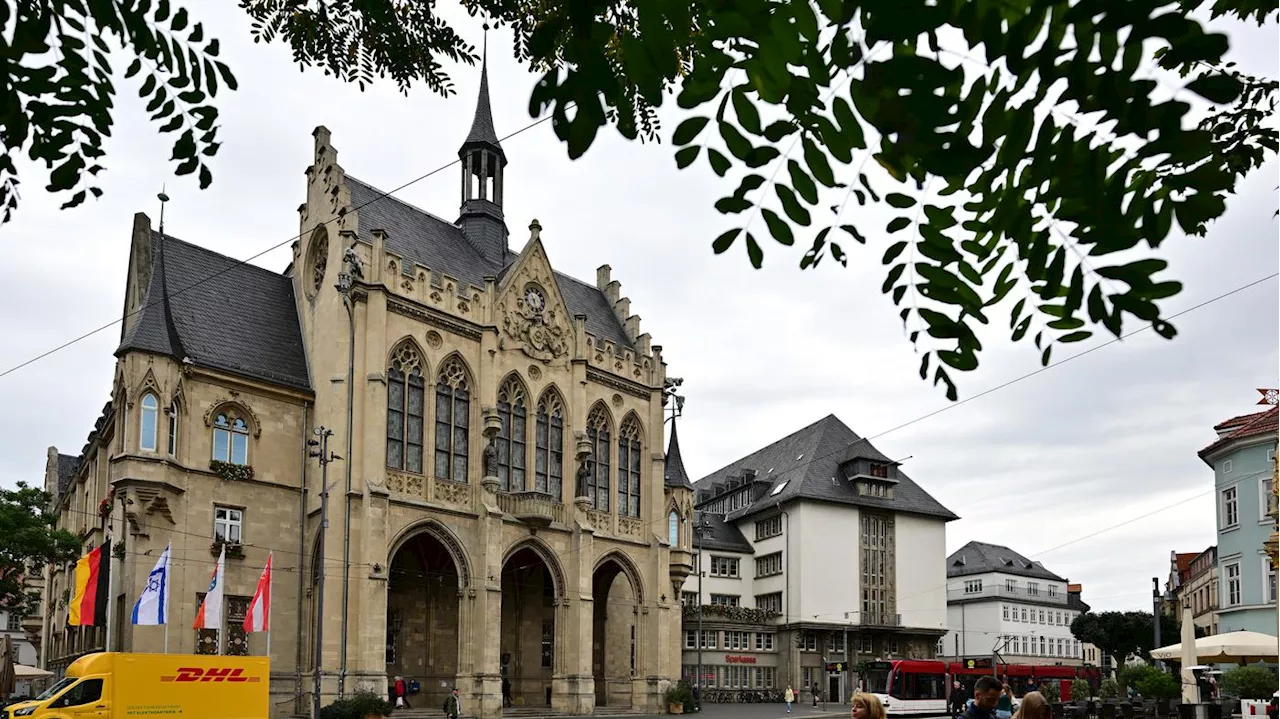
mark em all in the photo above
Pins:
pixel 67 466
pixel 1246 426
pixel 980 558
pixel 675 474
pixel 221 313
pixel 724 536
pixel 806 464
pixel 425 239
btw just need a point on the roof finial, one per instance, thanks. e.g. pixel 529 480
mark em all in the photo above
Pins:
pixel 482 132
pixel 163 199
pixel 484 52
pixel 535 230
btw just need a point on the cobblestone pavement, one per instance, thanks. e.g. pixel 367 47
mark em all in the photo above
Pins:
pixel 763 711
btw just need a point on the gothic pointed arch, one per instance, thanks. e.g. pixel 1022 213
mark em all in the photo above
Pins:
pixel 512 441
pixel 550 420
pixel 442 534
pixel 406 406
pixel 600 435
pixel 548 556
pixel 149 384
pixel 626 566
pixel 630 451
pixel 231 424
pixel 453 387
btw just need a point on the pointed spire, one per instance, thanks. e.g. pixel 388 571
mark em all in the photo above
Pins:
pixel 675 473
pixel 482 131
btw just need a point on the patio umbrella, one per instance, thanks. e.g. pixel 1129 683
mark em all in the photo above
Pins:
pixel 22 671
pixel 1230 648
pixel 7 677
pixel 1190 689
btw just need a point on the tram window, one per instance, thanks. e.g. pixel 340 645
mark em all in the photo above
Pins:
pixel 919 686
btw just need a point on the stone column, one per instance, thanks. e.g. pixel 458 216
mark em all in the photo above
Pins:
pixel 579 632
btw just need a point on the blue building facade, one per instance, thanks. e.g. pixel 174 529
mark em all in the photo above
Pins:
pixel 1243 460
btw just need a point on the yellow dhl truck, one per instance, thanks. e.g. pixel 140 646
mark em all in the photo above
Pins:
pixel 154 686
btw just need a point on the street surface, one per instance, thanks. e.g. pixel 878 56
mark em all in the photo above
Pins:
pixel 761 711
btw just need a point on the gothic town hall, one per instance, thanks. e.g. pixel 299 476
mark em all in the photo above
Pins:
pixel 500 511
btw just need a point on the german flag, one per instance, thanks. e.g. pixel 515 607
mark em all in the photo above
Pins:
pixel 88 607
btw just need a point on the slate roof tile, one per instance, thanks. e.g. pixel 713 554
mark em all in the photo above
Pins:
pixel 980 558
pixel 806 465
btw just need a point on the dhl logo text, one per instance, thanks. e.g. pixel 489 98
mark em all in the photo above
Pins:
pixel 213 674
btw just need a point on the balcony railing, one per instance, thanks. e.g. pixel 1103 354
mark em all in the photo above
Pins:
pixel 535 508
pixel 1001 591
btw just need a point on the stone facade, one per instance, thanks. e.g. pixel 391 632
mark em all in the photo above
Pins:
pixel 499 506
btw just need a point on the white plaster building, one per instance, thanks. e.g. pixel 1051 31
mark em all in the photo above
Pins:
pixel 816 549
pixel 11 626
pixel 1000 601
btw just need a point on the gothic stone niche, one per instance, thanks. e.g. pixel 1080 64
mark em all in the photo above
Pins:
pixel 527 319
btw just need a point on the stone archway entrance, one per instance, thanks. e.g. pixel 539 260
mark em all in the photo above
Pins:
pixel 422 618
pixel 528 633
pixel 613 650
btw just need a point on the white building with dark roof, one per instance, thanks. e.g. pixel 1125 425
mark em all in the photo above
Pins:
pixel 999 601
pixel 815 549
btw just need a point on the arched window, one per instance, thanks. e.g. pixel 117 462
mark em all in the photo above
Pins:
pixel 230 439
pixel 147 432
pixel 598 481
pixel 629 467
pixel 406 408
pixel 453 421
pixel 173 429
pixel 673 528
pixel 549 449
pixel 511 439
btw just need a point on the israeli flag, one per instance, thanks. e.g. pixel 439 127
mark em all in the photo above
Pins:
pixel 152 603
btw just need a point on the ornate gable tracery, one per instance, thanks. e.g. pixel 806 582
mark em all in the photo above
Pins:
pixel 531 310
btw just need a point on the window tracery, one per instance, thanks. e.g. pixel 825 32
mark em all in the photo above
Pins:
pixel 512 439
pixel 599 435
pixel 453 420
pixel 406 408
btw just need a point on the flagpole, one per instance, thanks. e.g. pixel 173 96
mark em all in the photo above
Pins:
pixel 270 600
pixel 111 588
pixel 168 568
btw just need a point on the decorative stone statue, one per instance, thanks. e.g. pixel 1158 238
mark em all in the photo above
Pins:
pixel 353 262
pixel 491 459
pixel 584 471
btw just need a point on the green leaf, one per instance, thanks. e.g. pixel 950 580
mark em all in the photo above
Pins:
pixel 778 227
pixel 1216 88
pixel 685 156
pixel 748 116
pixel 894 251
pixel 776 131
pixel 738 145
pixel 897 224
pixel 761 156
pixel 802 182
pixel 134 68
pixel 754 253
pixel 899 201
pixel 732 205
pixel 148 86
pixel 791 205
pixel 1075 336
pixel 818 164
pixel 688 130
pixel 725 241
pixel 719 163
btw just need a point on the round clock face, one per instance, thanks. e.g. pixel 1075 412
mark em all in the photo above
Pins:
pixel 534 299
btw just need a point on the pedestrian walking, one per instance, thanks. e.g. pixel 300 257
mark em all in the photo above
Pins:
pixel 452 705
pixel 789 697
pixel 401 693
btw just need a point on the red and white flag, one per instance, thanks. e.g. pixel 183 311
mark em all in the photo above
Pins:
pixel 209 615
pixel 258 618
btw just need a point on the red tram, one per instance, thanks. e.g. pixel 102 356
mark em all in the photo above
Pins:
pixel 923 688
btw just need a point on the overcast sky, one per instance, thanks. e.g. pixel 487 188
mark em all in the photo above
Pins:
pixel 1065 454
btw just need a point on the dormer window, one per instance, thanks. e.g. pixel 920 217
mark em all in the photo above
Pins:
pixel 879 470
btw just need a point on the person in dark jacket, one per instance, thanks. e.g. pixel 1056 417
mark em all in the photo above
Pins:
pixel 986 696
pixel 453 705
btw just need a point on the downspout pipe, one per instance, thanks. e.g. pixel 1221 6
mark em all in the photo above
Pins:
pixel 346 520
pixel 302 553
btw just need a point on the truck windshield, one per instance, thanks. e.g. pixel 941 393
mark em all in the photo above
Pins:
pixel 52 691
